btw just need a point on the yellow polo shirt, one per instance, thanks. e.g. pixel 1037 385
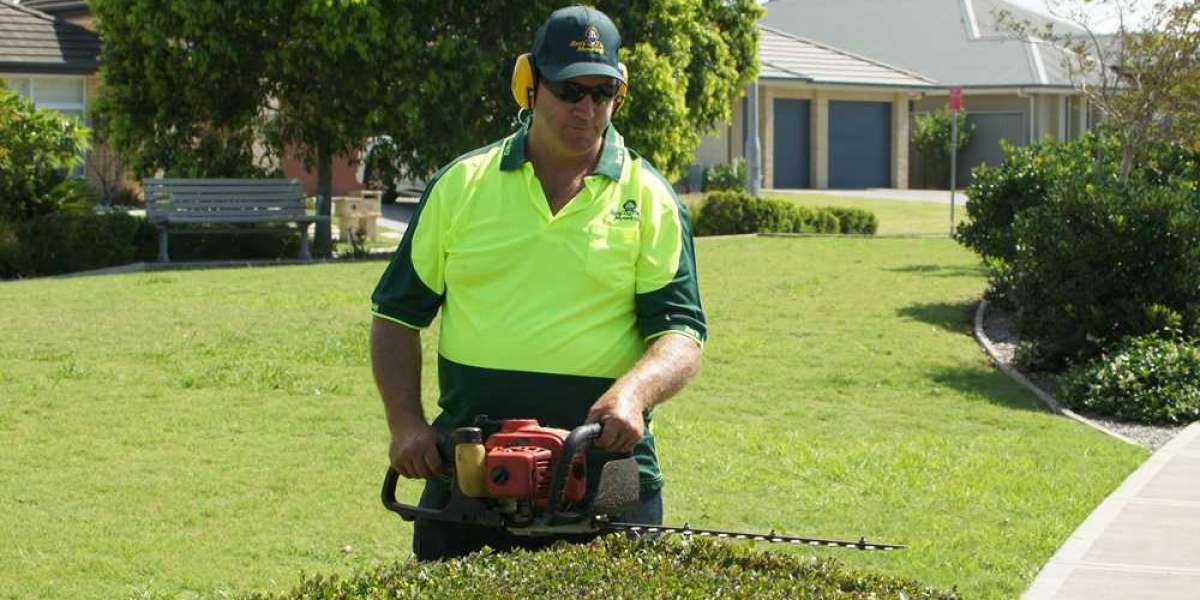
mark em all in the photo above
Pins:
pixel 541 312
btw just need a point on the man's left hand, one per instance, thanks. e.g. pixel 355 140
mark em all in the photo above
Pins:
pixel 620 412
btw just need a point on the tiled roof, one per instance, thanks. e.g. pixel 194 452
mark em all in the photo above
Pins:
pixel 786 56
pixel 956 42
pixel 56 6
pixel 35 42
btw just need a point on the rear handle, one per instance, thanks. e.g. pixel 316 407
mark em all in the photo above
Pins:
pixel 390 479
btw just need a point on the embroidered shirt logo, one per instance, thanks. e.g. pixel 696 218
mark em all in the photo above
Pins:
pixel 627 212
pixel 590 43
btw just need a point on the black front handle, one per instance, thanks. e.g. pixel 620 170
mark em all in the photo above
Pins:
pixel 577 441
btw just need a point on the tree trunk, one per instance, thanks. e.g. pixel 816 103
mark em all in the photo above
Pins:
pixel 323 238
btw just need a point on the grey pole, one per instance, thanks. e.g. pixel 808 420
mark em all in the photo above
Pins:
pixel 752 150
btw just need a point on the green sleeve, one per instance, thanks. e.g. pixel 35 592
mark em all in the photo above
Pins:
pixel 413 287
pixel 667 291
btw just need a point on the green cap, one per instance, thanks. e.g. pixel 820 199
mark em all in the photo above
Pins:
pixel 577 41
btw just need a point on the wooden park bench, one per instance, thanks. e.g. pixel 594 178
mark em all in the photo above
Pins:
pixel 175 202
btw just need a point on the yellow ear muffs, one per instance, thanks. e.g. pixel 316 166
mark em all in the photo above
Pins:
pixel 622 88
pixel 522 81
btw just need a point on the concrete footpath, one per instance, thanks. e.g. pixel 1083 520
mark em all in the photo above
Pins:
pixel 1142 542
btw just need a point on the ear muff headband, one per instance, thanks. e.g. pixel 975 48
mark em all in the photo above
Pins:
pixel 524 80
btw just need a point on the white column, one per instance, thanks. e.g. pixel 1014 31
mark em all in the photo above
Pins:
pixel 900 141
pixel 819 149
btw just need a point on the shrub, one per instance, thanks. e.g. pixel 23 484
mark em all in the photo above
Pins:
pixel 616 567
pixel 65 243
pixel 212 242
pixel 728 177
pixel 855 220
pixel 726 213
pixel 1026 179
pixel 931 136
pixel 38 148
pixel 1150 379
pixel 11 260
pixel 1097 265
pixel 734 212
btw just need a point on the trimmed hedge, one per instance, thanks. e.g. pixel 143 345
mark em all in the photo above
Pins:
pixel 1098 265
pixel 735 212
pixel 616 567
pixel 68 243
pixel 1150 379
pixel 65 243
pixel 854 220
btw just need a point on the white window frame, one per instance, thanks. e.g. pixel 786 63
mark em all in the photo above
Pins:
pixel 81 169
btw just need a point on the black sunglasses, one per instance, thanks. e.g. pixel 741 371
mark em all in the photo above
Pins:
pixel 571 92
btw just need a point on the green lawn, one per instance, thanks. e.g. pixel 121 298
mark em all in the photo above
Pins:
pixel 184 434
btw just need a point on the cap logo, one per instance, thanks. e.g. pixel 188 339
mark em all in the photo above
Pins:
pixel 590 43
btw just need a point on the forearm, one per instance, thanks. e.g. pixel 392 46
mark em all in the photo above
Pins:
pixel 396 365
pixel 670 362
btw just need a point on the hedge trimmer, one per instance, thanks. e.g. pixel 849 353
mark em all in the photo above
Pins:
pixel 532 480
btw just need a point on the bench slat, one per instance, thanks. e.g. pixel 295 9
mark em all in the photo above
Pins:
pixel 226 201
pixel 269 214
pixel 219 182
pixel 290 190
pixel 185 218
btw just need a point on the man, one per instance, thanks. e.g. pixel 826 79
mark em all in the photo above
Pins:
pixel 564 269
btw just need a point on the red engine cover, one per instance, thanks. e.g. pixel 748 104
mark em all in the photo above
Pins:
pixel 520 462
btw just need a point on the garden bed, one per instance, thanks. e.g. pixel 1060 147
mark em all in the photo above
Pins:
pixel 998 327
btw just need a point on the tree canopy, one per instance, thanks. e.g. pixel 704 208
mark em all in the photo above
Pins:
pixel 215 88
pixel 1143 78
pixel 687 60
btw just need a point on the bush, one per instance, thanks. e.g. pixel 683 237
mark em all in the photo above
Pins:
pixel 931 135
pixel 1149 379
pixel 855 220
pixel 728 177
pixel 11 260
pixel 209 242
pixel 1098 265
pixel 616 567
pixel 1026 179
pixel 38 148
pixel 735 212
pixel 65 243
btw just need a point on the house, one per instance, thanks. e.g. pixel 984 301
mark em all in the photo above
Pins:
pixel 1014 90
pixel 50 53
pixel 827 117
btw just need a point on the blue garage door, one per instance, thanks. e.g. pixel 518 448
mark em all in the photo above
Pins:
pixel 860 144
pixel 791 143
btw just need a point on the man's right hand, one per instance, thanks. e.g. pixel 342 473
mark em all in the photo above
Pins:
pixel 414 452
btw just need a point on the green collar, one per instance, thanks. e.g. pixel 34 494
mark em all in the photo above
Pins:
pixel 612 154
